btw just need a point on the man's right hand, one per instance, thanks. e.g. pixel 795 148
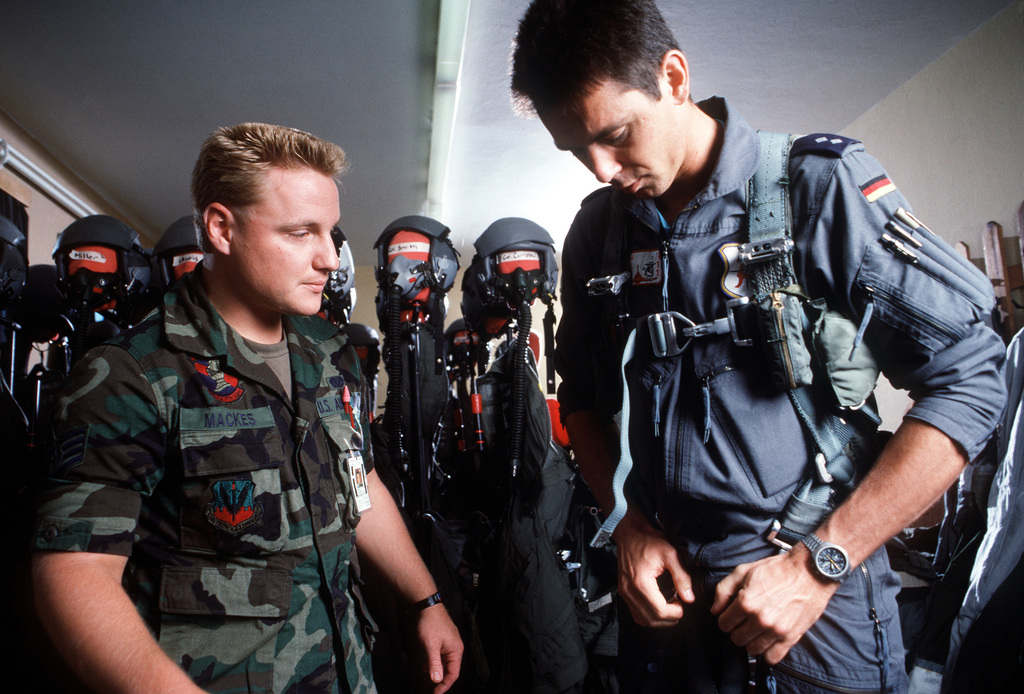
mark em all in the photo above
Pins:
pixel 645 555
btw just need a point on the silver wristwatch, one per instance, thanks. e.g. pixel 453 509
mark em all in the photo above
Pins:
pixel 829 560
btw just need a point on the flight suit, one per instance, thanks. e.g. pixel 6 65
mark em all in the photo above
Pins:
pixel 717 449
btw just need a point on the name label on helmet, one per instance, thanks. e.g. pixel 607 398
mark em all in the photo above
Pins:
pixel 88 256
pixel 194 258
pixel 509 261
pixel 94 258
pixel 409 248
pixel 513 256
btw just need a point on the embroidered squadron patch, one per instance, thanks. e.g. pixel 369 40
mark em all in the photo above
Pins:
pixel 877 187
pixel 646 266
pixel 233 509
pixel 224 387
pixel 734 280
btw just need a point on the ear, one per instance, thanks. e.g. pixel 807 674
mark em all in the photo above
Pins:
pixel 676 74
pixel 221 224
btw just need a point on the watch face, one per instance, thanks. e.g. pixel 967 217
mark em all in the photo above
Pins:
pixel 831 561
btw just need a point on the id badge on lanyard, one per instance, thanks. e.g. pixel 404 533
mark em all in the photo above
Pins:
pixel 357 473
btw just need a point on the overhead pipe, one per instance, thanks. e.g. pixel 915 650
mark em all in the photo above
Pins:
pixel 55 190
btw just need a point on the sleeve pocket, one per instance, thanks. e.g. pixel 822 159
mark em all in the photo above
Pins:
pixel 909 301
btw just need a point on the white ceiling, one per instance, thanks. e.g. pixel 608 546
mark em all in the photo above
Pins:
pixel 124 91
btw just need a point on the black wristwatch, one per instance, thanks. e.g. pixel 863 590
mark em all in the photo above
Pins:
pixel 829 560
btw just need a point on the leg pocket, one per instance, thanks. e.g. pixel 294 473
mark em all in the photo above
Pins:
pixel 856 644
pixel 221 625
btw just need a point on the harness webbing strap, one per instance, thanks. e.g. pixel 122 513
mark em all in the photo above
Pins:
pixel 770 228
pixel 768 210
pixel 604 535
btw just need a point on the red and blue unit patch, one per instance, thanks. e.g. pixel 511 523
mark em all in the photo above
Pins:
pixel 233 508
pixel 222 386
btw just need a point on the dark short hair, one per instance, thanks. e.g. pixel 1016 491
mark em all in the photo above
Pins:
pixel 565 48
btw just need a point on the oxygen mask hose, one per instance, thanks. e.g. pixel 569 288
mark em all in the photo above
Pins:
pixel 524 322
pixel 393 404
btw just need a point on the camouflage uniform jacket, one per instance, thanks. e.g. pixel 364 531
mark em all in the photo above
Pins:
pixel 235 504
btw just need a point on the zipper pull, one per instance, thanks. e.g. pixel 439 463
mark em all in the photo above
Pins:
pixel 657 408
pixel 706 390
pixel 865 319
pixel 665 247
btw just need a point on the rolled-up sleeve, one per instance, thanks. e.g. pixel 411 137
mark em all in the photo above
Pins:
pixel 925 312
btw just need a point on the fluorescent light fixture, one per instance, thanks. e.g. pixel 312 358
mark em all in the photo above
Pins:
pixel 451 42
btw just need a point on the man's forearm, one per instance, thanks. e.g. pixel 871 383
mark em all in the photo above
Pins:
pixel 595 449
pixel 96 627
pixel 916 467
pixel 383 539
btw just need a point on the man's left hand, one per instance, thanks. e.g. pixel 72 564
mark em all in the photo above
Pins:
pixel 767 605
pixel 442 647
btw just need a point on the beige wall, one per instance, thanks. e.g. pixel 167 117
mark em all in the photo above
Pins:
pixel 952 139
pixel 46 218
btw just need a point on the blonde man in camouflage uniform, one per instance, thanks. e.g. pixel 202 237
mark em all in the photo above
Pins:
pixel 212 464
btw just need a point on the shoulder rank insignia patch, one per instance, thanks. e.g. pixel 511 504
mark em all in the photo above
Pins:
pixel 822 143
pixel 232 509
pixel 877 187
pixel 224 387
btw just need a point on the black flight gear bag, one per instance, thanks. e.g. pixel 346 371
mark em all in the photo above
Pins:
pixel 517 266
pixel 416 266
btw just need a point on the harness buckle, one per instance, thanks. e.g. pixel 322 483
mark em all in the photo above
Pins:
pixel 768 249
pixel 664 338
pixel 773 537
pixel 603 286
pixel 730 314
pixel 722 326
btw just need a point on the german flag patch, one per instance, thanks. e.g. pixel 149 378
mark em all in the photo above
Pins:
pixel 877 187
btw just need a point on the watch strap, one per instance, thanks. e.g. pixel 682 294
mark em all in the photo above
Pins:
pixel 426 602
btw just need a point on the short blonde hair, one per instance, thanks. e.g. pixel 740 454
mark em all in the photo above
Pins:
pixel 233 161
